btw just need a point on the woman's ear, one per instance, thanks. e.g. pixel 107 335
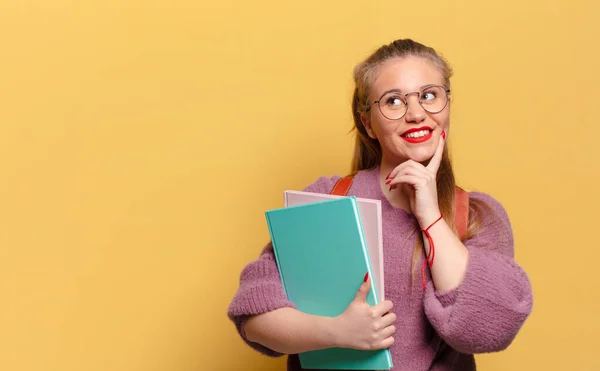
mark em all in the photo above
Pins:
pixel 367 124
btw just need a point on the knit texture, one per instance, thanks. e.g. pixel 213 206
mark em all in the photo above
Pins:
pixel 435 330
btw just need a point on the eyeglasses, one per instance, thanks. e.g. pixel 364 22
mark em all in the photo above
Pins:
pixel 393 105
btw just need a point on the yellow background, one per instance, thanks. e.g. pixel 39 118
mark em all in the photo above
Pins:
pixel 142 141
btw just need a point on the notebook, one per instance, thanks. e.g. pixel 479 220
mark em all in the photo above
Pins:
pixel 370 213
pixel 322 256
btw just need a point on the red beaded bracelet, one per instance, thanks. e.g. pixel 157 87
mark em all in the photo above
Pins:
pixel 431 255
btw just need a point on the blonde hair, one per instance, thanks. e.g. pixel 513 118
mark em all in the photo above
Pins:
pixel 367 151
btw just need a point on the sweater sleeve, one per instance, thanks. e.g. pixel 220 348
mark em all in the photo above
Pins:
pixel 260 289
pixel 486 311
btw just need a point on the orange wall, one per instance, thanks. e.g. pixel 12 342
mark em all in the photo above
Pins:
pixel 136 137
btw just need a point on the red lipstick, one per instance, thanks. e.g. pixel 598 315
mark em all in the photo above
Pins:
pixel 417 140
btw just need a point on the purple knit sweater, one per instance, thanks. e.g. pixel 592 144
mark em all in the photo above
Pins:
pixel 435 330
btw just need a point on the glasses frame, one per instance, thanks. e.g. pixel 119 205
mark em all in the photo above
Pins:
pixel 418 93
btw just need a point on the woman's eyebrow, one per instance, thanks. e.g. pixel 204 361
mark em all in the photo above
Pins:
pixel 400 91
pixel 391 91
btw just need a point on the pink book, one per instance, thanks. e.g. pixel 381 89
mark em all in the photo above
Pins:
pixel 370 214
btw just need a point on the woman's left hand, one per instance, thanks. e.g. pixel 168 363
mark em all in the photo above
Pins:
pixel 420 184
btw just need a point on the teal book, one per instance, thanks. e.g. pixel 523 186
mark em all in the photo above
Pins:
pixel 322 258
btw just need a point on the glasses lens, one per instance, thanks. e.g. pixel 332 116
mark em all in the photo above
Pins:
pixel 392 105
pixel 434 99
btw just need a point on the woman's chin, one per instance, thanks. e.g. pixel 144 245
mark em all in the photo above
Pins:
pixel 421 157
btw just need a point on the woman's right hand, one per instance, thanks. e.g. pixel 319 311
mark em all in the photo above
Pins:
pixel 365 327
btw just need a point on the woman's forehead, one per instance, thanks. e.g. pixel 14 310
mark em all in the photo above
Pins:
pixel 406 74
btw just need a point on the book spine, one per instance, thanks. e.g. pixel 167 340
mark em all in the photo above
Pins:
pixel 365 250
pixel 275 253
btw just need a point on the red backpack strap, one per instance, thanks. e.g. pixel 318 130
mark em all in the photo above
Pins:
pixel 342 186
pixel 461 213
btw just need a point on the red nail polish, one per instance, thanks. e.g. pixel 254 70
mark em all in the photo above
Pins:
pixel 391 187
pixel 388 182
pixel 444 134
pixel 366 277
pixel 388 176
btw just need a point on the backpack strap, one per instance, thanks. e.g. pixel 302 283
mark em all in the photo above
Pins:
pixel 461 214
pixel 461 202
pixel 342 186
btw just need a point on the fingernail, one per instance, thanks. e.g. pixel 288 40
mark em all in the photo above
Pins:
pixel 444 134
pixel 388 176
pixel 366 277
pixel 391 187
pixel 388 182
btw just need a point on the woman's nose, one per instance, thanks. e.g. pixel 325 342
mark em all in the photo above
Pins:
pixel 414 112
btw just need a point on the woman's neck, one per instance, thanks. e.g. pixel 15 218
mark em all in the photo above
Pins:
pixel 398 197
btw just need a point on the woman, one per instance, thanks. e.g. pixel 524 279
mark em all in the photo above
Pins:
pixel 475 296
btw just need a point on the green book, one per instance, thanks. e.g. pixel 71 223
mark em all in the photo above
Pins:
pixel 322 258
